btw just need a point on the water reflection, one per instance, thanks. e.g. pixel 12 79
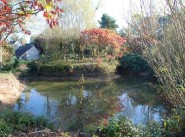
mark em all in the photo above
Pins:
pixel 139 113
pixel 80 107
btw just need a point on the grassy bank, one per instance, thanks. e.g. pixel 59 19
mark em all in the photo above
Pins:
pixel 60 68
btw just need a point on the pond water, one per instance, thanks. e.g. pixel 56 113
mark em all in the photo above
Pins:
pixel 82 105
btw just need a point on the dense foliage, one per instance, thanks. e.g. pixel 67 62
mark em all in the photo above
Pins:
pixel 133 63
pixel 118 126
pixel 103 40
pixel 11 122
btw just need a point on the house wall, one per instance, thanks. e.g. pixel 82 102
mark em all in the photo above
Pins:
pixel 32 54
pixel 16 45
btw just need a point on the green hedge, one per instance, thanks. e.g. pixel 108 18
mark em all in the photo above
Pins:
pixel 73 68
pixel 56 69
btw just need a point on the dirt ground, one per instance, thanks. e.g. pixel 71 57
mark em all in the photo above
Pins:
pixel 10 89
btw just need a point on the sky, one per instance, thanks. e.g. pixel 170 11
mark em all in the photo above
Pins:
pixel 118 9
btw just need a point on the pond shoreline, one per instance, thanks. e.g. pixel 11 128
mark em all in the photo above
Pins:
pixel 70 78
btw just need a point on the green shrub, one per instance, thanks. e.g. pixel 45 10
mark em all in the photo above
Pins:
pixel 152 129
pixel 12 65
pixel 108 67
pixel 123 127
pixel 32 68
pixel 4 128
pixel 171 126
pixel 175 124
pixel 119 127
pixel 18 121
pixel 133 63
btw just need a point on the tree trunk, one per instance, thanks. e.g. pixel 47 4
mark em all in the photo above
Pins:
pixel 1 56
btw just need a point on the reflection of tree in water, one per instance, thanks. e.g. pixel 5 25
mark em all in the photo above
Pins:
pixel 20 104
pixel 140 104
pixel 48 106
pixel 79 108
pixel 22 101
pixel 144 96
pixel 88 104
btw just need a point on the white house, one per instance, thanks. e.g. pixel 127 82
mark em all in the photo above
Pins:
pixel 16 45
pixel 28 52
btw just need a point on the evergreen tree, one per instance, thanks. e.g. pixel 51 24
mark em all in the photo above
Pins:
pixel 108 22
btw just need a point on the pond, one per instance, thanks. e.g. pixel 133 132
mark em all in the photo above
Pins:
pixel 74 105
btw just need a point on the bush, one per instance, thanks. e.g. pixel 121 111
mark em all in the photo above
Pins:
pixel 12 65
pixel 33 68
pixel 133 63
pixel 171 126
pixel 175 123
pixel 17 121
pixel 118 127
pixel 152 129
pixel 4 128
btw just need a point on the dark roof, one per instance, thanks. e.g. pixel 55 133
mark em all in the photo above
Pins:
pixel 22 49
pixel 11 42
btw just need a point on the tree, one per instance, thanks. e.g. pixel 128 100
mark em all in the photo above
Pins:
pixel 108 22
pixel 13 13
pixel 106 40
pixel 78 15
pixel 167 58
pixel 63 41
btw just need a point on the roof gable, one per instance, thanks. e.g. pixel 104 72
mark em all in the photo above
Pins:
pixel 22 49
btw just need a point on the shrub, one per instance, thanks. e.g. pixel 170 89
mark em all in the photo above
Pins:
pixel 118 127
pixel 152 129
pixel 18 121
pixel 4 128
pixel 171 126
pixel 12 65
pixel 175 123
pixel 133 63
pixel 32 68
pixel 108 68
